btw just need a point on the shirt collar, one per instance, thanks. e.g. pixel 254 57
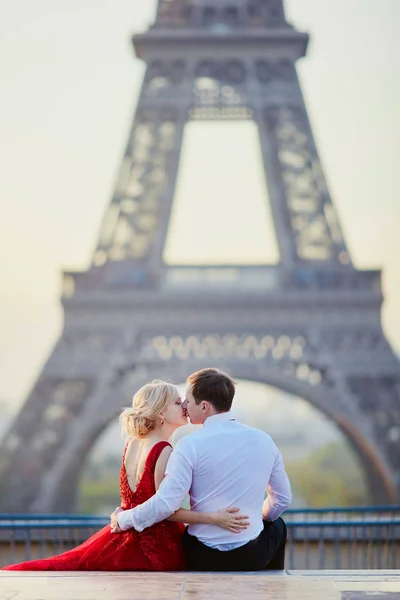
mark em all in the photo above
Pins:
pixel 218 418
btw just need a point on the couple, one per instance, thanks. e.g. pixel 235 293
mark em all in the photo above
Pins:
pixel 225 463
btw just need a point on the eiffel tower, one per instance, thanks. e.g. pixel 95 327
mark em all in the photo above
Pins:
pixel 309 325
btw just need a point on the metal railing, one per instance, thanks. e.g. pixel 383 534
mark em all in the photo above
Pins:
pixel 329 538
pixel 343 538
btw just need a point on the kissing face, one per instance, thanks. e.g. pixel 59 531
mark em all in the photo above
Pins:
pixel 194 411
pixel 174 414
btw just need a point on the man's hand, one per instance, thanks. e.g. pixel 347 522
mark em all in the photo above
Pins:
pixel 115 528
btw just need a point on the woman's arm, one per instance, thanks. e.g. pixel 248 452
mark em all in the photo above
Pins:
pixel 225 518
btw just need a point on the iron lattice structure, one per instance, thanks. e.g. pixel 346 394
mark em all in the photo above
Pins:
pixel 309 325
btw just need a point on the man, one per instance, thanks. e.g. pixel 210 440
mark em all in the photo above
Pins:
pixel 225 463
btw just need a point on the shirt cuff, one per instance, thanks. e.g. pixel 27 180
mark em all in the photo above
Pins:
pixel 126 520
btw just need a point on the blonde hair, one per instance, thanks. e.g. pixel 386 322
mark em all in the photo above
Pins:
pixel 147 404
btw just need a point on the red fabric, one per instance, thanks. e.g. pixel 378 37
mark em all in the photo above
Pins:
pixel 157 548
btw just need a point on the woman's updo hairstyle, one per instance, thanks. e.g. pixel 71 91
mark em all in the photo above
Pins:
pixel 147 404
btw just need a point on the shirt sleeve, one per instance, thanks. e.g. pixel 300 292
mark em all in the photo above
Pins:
pixel 168 499
pixel 279 492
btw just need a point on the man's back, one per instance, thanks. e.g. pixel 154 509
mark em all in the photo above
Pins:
pixel 232 465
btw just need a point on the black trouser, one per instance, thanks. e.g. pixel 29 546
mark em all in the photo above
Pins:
pixel 265 553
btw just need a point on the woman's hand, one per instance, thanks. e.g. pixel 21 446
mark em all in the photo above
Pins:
pixel 227 518
pixel 115 528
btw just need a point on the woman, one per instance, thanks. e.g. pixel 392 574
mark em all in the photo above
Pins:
pixel 155 414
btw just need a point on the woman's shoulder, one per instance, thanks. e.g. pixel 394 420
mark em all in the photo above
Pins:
pixel 157 449
pixel 161 464
pixel 165 453
pixel 159 446
pixel 129 447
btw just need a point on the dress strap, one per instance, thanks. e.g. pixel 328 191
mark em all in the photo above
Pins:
pixel 154 453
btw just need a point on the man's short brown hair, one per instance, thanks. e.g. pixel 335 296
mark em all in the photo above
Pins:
pixel 214 386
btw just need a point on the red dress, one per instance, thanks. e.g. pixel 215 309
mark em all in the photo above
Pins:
pixel 157 548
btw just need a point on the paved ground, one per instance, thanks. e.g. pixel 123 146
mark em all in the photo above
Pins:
pixel 289 585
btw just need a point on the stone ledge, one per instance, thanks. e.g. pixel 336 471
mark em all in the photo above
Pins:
pixel 279 585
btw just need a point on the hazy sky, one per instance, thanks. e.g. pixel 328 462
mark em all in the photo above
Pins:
pixel 69 83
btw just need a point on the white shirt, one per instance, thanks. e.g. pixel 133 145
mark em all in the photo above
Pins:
pixel 223 464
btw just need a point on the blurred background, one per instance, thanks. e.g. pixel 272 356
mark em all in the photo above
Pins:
pixel 69 84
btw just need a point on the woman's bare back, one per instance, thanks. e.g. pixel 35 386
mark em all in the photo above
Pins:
pixel 135 459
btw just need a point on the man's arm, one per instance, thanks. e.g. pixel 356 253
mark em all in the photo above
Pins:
pixel 173 490
pixel 279 492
